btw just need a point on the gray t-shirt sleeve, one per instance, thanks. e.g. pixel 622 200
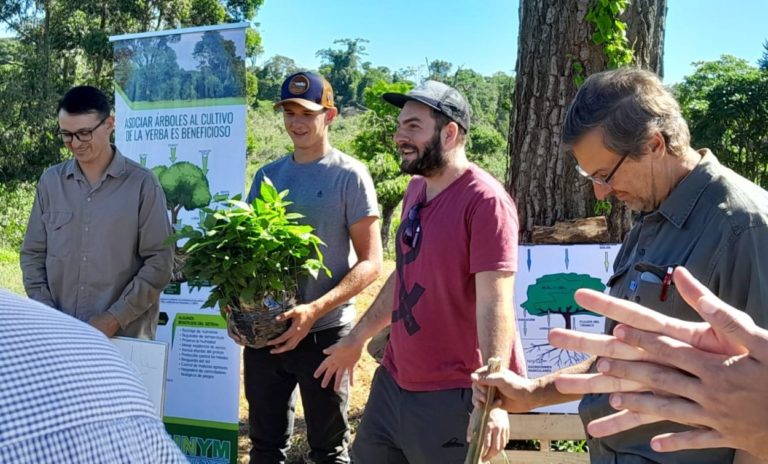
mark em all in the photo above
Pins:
pixel 361 196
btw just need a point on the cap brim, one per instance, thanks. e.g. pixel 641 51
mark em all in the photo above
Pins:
pixel 310 105
pixel 397 99
pixel 400 99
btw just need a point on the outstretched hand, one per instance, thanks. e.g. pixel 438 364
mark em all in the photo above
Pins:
pixel 340 363
pixel 714 373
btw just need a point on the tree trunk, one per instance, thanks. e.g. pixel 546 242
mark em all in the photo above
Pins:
pixel 645 31
pixel 555 49
pixel 100 54
pixel 585 230
pixel 46 52
pixel 386 224
pixel 568 320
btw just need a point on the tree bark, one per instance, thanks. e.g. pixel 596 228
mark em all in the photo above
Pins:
pixel 100 55
pixel 645 31
pixel 555 48
pixel 386 224
pixel 46 45
pixel 586 230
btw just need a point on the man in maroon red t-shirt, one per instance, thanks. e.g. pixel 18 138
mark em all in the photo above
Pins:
pixel 450 300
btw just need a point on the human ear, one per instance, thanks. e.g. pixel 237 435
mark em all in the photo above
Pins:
pixel 330 114
pixel 657 145
pixel 450 134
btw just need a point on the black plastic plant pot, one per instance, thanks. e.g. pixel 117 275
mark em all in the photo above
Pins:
pixel 255 321
pixel 257 327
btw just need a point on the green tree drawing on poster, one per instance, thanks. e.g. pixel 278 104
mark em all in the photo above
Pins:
pixel 185 186
pixel 553 294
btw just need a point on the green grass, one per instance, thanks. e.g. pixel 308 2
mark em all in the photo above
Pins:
pixel 10 273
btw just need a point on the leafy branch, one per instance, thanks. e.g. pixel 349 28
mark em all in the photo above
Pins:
pixel 250 251
pixel 610 31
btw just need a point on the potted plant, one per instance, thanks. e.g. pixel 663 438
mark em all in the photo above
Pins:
pixel 252 255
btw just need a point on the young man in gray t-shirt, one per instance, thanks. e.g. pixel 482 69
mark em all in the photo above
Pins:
pixel 336 195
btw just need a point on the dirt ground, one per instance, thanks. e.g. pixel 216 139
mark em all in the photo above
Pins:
pixel 358 394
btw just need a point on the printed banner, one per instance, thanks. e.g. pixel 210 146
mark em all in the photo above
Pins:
pixel 547 277
pixel 180 102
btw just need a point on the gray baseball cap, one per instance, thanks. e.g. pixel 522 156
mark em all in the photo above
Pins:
pixel 438 96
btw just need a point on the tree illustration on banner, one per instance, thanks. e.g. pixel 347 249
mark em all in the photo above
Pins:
pixel 185 186
pixel 553 294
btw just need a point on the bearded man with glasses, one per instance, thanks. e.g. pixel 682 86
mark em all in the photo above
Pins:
pixel 628 137
pixel 95 242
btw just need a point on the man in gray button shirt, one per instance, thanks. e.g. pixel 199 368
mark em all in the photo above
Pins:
pixel 630 140
pixel 95 243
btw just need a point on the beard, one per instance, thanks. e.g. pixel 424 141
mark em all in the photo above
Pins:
pixel 428 162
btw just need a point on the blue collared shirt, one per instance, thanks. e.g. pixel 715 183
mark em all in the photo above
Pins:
pixel 68 396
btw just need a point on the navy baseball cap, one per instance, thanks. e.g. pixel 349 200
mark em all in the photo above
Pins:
pixel 310 90
pixel 438 96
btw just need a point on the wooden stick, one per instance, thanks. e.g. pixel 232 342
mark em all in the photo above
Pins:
pixel 480 422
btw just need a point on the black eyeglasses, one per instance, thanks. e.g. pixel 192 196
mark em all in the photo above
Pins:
pixel 412 231
pixel 83 135
pixel 601 180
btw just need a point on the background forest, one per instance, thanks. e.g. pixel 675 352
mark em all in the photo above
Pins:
pixel 59 43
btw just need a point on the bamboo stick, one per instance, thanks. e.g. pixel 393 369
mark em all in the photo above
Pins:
pixel 480 422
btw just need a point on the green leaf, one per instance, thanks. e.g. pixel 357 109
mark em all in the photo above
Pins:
pixel 247 294
pixel 598 38
pixel 239 204
pixel 604 25
pixel 267 191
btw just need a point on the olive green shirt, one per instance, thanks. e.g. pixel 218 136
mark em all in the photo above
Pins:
pixel 95 248
pixel 715 223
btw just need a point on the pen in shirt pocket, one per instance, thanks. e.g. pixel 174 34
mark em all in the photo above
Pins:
pixel 665 283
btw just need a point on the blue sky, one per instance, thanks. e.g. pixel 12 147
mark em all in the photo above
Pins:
pixel 482 34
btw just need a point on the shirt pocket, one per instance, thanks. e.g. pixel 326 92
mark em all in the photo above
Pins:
pixel 651 291
pixel 643 283
pixel 59 232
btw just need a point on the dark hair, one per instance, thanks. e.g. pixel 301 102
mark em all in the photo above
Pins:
pixel 441 120
pixel 629 105
pixel 84 99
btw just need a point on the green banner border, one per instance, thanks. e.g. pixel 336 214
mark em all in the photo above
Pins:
pixel 202 423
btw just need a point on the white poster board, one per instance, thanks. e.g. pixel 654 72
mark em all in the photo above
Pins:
pixel 150 358
pixel 544 284
pixel 180 102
